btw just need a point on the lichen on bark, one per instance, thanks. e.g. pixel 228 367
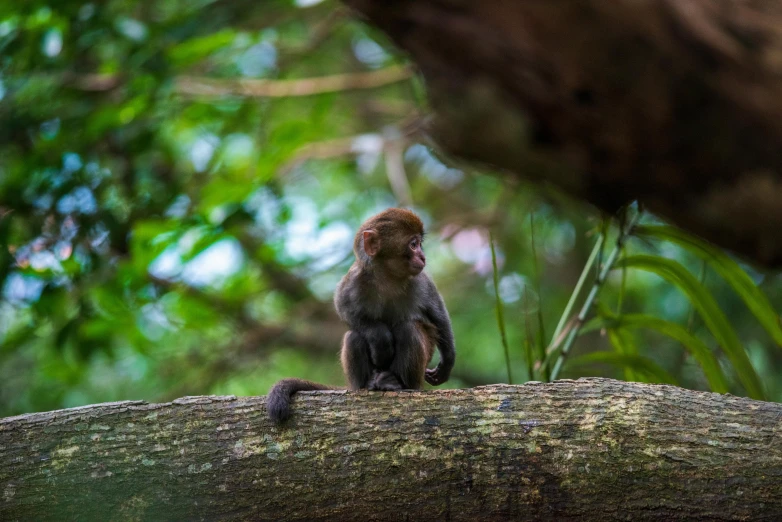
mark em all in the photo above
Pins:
pixel 588 449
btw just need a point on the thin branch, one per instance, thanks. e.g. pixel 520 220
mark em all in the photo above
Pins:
pixel 94 82
pixel 198 86
pixel 405 133
pixel 320 33
pixel 325 149
pixel 394 151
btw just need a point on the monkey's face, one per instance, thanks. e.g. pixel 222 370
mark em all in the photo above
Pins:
pixel 416 257
pixel 402 257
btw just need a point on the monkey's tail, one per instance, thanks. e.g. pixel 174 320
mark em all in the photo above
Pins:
pixel 278 402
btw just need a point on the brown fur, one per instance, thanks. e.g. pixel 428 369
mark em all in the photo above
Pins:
pixel 426 335
pixel 396 315
pixel 388 224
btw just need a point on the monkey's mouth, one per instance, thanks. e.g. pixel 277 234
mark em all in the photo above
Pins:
pixel 416 267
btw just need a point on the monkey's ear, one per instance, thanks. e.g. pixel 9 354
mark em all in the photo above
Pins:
pixel 371 242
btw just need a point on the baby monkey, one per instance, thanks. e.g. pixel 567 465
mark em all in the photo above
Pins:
pixel 395 314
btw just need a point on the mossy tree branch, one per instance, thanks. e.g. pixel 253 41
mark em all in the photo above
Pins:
pixel 676 104
pixel 589 449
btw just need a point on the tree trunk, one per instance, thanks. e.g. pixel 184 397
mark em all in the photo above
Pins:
pixel 589 449
pixel 675 103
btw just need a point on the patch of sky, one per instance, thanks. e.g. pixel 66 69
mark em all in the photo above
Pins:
pixel 131 28
pixel 153 322
pixel 215 264
pixel 306 240
pixel 202 150
pixel 435 171
pixel 258 59
pixel 22 289
pixel 44 260
pixel 51 45
pixel 211 267
pixel 368 149
pixel 237 150
pixel 266 209
pixel 178 209
pixel 43 202
pixel 71 162
pixel 512 288
pixel 369 52
pixel 80 199
pixel 167 265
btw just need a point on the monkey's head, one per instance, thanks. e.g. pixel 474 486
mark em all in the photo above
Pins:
pixel 392 241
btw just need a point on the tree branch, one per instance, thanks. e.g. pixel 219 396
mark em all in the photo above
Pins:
pixel 677 104
pixel 592 449
pixel 197 86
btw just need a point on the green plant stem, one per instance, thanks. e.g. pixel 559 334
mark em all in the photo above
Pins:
pixel 530 358
pixel 541 346
pixel 587 306
pixel 576 291
pixel 500 315
pixel 622 289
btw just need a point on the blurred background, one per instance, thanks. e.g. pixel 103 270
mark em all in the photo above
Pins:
pixel 180 183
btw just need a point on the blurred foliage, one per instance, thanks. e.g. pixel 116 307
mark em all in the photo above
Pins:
pixel 179 188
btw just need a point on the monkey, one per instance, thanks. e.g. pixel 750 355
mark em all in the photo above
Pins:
pixel 395 315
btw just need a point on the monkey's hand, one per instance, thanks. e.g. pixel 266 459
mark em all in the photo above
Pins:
pixel 437 376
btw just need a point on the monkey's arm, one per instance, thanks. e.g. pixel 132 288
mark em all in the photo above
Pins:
pixel 437 314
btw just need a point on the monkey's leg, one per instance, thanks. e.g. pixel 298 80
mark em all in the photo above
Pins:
pixel 381 345
pixel 410 359
pixel 356 361
pixel 381 355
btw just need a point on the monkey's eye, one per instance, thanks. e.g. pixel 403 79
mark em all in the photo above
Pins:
pixel 414 243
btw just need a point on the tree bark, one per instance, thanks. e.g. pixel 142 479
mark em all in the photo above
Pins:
pixel 677 104
pixel 589 449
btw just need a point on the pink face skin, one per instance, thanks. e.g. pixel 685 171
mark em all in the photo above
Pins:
pixel 418 259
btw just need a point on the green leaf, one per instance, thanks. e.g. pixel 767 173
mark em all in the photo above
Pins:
pixel 637 363
pixel 697 348
pixel 622 340
pixel 624 343
pixel 195 49
pixel 710 312
pixel 728 269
